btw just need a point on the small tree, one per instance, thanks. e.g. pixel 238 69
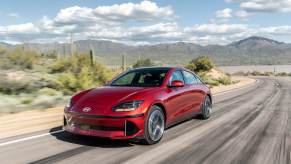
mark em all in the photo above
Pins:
pixel 143 63
pixel 200 64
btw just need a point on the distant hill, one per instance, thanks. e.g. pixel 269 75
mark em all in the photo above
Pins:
pixel 252 50
pixel 6 45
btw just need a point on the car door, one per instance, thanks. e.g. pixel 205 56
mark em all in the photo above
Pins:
pixel 196 93
pixel 176 101
pixel 200 88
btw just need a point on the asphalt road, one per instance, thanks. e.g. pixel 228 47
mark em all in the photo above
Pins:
pixel 249 125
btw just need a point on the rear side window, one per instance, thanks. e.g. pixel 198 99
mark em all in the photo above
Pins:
pixel 190 79
pixel 198 80
pixel 177 75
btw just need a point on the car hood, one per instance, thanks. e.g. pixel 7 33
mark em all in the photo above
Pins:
pixel 101 100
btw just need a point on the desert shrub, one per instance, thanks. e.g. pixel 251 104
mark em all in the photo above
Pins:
pixel 48 91
pixel 225 80
pixel 69 82
pixel 27 101
pixel 15 87
pixel 29 83
pixel 79 73
pixel 2 50
pixel 199 64
pixel 240 73
pixel 282 74
pixel 22 58
pixel 210 81
pixel 61 65
pixel 143 63
pixel 268 73
pixel 256 73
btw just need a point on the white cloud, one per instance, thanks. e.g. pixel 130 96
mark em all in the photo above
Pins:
pixel 242 14
pixel 115 14
pixel 216 28
pixel 225 13
pixel 13 15
pixel 266 5
pixel 231 1
pixel 226 33
pixel 136 23
pixel 18 29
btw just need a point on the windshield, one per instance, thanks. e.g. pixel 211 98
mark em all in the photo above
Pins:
pixel 141 78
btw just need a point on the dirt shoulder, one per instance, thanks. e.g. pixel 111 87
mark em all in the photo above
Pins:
pixel 37 120
pixel 243 81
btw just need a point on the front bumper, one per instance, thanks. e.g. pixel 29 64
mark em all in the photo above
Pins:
pixel 114 127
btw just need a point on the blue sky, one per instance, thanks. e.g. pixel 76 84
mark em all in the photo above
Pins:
pixel 144 22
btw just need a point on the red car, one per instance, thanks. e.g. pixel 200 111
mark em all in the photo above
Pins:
pixel 138 104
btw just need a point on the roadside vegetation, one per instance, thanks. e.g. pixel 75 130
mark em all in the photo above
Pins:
pixel 257 73
pixel 206 69
pixel 30 80
pixel 143 63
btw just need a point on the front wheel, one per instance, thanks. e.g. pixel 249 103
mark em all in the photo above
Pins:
pixel 206 108
pixel 154 126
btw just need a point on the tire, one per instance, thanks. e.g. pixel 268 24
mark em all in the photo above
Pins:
pixel 206 108
pixel 154 126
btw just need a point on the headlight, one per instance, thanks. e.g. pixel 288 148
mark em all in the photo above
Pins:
pixel 127 106
pixel 69 104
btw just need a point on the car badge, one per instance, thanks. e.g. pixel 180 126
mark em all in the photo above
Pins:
pixel 86 109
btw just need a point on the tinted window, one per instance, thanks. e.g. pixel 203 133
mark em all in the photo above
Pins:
pixel 177 75
pixel 141 78
pixel 126 79
pixel 198 80
pixel 190 79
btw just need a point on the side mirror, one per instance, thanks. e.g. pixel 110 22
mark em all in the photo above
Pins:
pixel 177 83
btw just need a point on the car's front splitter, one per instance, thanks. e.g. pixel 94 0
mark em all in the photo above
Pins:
pixel 117 127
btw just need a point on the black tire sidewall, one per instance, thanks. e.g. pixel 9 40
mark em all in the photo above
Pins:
pixel 203 110
pixel 147 138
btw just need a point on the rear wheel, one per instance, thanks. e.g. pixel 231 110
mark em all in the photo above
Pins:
pixel 206 108
pixel 154 126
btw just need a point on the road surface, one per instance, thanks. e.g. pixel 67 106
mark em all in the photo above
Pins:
pixel 249 125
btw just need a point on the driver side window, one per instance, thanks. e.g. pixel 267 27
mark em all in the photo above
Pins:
pixel 177 75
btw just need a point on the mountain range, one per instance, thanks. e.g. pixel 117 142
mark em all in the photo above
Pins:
pixel 249 51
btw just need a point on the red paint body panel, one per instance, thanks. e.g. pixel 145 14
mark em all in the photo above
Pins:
pixel 178 102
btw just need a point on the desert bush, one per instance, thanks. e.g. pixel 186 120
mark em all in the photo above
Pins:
pixel 210 81
pixel 27 101
pixel 199 64
pixel 69 82
pixel 256 73
pixel 15 87
pixel 143 63
pixel 268 73
pixel 2 50
pixel 282 74
pixel 61 65
pixel 78 73
pixel 22 58
pixel 240 73
pixel 225 80
pixel 48 91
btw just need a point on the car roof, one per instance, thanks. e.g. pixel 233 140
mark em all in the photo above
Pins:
pixel 156 68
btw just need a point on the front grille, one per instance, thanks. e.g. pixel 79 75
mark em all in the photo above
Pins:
pixel 95 127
